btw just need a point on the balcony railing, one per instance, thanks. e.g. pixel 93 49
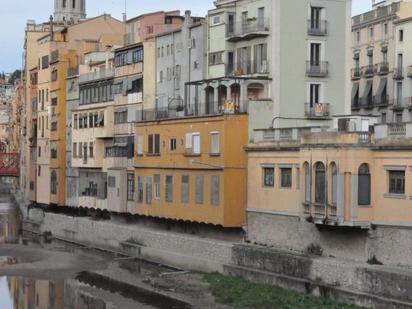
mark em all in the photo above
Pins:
pixel 381 101
pixel 382 68
pixel 72 71
pixel 368 71
pixel 317 27
pixel 367 102
pixel 397 129
pixel 356 73
pixel 247 68
pixel 192 110
pixel 398 73
pixel 248 29
pixel 317 68
pixel 317 110
pixel 93 76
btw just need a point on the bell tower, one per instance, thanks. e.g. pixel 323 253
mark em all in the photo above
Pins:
pixel 69 10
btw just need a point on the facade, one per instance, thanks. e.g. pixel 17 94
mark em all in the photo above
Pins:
pixel 324 185
pixel 190 169
pixel 379 69
pixel 179 62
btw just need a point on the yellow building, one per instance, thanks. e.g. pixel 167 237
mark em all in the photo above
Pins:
pixel 345 191
pixel 190 169
pixel 58 52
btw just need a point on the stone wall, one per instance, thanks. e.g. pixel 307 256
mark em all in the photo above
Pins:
pixel 186 251
pixel 390 245
pixel 359 283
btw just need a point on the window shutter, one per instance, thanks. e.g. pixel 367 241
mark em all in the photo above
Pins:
pixel 150 144
pixel 214 190
pixel 185 189
pixel 196 143
pixel 157 143
pixel 188 143
pixel 148 190
pixel 140 145
pixel 215 143
pixel 199 189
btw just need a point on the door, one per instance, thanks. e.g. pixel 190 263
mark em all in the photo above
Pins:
pixel 261 18
pixel 315 17
pixel 314 94
pixel 244 22
pixel 315 54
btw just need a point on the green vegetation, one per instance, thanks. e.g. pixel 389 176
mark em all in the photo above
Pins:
pixel 239 293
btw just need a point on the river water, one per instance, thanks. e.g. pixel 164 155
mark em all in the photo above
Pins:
pixel 85 290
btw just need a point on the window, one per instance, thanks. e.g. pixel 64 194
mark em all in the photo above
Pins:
pixel 153 144
pixel 397 182
pixel 169 189
pixel 214 190
pixel 91 150
pixel 130 187
pixel 199 189
pixel 371 32
pixel 148 190
pixel 140 189
pixel 53 182
pixel 401 35
pixel 334 174
pixel 307 183
pixel 173 144
pixel 156 180
pixel 120 116
pixel 196 143
pixel 39 171
pixel 364 185
pixel 286 177
pixel 215 20
pixel 216 58
pixel 80 150
pixel 215 142
pixel 320 183
pixel 185 189
pixel 75 121
pixel 268 177
pixel 74 150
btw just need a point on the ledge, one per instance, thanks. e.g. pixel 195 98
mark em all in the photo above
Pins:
pixel 395 196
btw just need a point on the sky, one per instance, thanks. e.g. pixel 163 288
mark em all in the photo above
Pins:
pixel 14 15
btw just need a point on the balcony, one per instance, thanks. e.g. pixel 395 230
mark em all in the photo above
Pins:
pixel 98 75
pixel 193 110
pixel 356 73
pixel 317 110
pixel 381 101
pixel 367 103
pixel 317 27
pixel 248 68
pixel 397 73
pixel 401 104
pixel 247 30
pixel 317 68
pixel 54 57
pixel 368 71
pixel 382 68
pixel 72 71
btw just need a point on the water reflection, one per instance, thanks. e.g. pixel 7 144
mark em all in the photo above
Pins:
pixel 87 290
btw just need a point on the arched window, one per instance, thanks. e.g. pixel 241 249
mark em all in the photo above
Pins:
pixel 53 182
pixel 306 169
pixel 364 185
pixel 334 178
pixel 320 183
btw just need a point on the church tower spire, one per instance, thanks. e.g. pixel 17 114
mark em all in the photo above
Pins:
pixel 69 10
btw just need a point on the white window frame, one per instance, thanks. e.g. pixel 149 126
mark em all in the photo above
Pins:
pixel 214 149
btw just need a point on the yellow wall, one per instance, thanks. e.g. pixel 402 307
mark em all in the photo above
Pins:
pixel 384 208
pixel 229 165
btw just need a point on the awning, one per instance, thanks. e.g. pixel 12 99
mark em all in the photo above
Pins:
pixel 368 88
pixel 355 90
pixel 382 85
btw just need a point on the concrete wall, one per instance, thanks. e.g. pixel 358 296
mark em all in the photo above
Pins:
pixel 168 247
pixel 390 245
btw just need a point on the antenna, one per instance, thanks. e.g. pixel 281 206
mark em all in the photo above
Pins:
pixel 125 11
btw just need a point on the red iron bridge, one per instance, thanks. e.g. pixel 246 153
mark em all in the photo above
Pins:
pixel 9 164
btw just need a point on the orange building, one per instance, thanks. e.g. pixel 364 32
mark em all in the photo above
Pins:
pixel 190 169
